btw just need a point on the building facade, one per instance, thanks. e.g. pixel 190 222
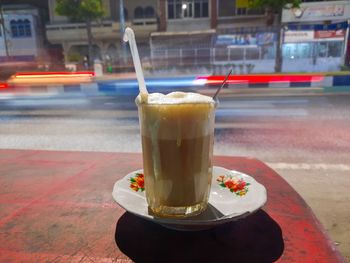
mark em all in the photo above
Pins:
pixel 141 16
pixel 155 22
pixel 20 35
pixel 316 36
pixel 208 34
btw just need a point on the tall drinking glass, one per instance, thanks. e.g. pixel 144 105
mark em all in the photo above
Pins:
pixel 177 146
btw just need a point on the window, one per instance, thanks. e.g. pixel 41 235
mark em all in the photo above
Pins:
pixel 201 8
pixel 170 11
pixel 178 9
pixel 335 48
pixel 174 9
pixel 297 50
pixel 27 29
pixel 21 28
pixel 322 49
pixel 14 29
pixel 149 12
pixel 241 11
pixel 138 12
pixel 187 9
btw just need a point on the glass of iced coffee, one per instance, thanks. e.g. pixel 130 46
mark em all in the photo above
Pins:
pixel 177 132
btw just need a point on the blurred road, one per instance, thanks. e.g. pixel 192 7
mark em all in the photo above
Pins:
pixel 311 129
pixel 305 138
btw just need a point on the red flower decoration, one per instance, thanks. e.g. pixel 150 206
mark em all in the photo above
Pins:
pixel 137 183
pixel 235 185
pixel 230 184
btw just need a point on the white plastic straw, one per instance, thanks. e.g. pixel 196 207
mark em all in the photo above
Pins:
pixel 129 36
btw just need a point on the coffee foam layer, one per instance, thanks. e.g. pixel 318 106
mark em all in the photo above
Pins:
pixel 177 121
pixel 177 97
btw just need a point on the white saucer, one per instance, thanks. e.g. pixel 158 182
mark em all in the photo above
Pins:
pixel 245 197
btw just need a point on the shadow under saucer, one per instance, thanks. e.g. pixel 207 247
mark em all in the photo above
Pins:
pixel 256 238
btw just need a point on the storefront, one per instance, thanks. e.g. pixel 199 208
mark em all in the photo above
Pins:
pixel 315 36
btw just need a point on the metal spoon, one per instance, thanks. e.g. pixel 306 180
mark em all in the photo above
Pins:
pixel 223 83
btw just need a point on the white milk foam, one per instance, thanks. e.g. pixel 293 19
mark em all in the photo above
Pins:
pixel 177 97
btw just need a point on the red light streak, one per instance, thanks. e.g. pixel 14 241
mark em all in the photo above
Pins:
pixel 214 80
pixel 4 85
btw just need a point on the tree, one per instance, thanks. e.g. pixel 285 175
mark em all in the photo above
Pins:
pixel 85 11
pixel 274 11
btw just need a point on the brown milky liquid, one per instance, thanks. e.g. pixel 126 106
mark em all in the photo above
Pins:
pixel 177 146
pixel 182 175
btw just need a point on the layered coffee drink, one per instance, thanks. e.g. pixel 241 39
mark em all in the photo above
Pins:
pixel 177 143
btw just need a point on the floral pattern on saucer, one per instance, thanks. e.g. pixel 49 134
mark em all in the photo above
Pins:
pixel 224 207
pixel 137 182
pixel 235 185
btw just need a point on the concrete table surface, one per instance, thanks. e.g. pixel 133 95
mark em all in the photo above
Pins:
pixel 57 207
